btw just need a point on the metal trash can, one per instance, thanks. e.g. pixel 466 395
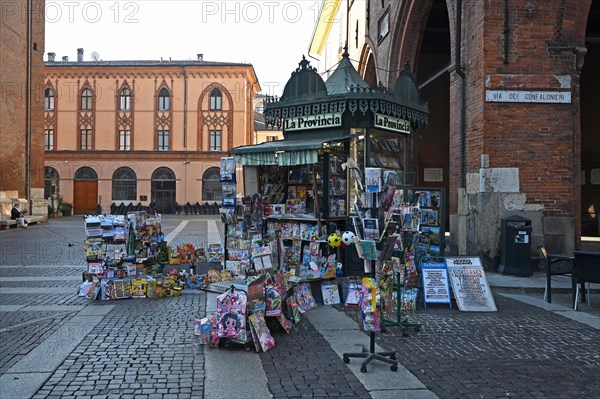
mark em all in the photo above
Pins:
pixel 515 241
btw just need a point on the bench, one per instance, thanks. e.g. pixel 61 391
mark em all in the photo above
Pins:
pixel 6 224
pixel 586 269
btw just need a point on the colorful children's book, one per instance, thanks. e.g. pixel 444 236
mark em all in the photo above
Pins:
pixel 353 296
pixel 257 322
pixel 255 339
pixel 94 290
pixel 368 305
pixel 294 313
pixel 138 288
pixel 95 268
pixel 203 331
pixel 331 294
pixel 274 306
pixel 285 323
pixel 304 297
pixel 85 287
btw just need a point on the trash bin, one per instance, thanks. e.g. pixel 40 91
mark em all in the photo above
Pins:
pixel 515 241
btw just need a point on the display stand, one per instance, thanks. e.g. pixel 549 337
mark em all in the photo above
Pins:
pixel 401 321
pixel 386 357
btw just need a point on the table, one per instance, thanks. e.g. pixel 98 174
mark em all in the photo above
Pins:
pixel 554 258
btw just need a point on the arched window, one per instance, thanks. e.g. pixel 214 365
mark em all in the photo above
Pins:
pixel 125 99
pixel 163 174
pixel 86 100
pixel 124 185
pixel 164 99
pixel 216 100
pixel 48 99
pixel 211 185
pixel 51 181
pixel 86 173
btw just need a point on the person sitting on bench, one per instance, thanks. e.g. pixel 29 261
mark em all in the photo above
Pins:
pixel 18 215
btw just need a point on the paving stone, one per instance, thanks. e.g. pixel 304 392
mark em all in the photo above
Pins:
pixel 519 351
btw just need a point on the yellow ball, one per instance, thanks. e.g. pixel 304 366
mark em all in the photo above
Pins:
pixel 334 239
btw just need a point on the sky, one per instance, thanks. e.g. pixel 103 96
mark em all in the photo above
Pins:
pixel 272 35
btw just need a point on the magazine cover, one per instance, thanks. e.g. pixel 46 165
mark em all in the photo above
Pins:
pixel 373 180
pixel 228 169
pixel 371 229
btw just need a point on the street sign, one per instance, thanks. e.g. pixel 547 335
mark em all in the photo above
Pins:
pixel 521 96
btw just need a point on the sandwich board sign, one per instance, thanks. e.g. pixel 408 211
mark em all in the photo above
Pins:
pixel 435 283
pixel 469 284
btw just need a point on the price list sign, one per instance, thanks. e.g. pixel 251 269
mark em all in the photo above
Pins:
pixel 435 283
pixel 469 284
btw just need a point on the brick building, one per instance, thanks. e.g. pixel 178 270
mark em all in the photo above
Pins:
pixel 513 122
pixel 21 112
pixel 143 131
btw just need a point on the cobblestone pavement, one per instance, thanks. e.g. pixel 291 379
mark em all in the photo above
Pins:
pixel 303 365
pixel 144 348
pixel 521 351
pixel 40 251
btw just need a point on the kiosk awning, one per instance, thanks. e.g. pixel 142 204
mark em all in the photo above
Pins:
pixel 286 152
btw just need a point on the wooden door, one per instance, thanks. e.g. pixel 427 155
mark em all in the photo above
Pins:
pixel 85 196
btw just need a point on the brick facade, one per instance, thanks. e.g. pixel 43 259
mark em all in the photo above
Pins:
pixel 17 165
pixel 503 158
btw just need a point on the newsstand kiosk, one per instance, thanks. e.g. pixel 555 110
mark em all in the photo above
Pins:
pixel 344 141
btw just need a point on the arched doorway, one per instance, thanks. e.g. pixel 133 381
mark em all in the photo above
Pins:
pixel 590 120
pixel 431 144
pixel 51 182
pixel 211 185
pixel 85 191
pixel 163 190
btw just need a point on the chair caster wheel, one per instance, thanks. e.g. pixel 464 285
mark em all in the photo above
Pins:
pixel 404 333
pixel 417 329
pixel 363 369
pixel 346 359
pixel 394 367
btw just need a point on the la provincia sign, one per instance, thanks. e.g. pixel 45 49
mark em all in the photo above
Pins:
pixel 519 96
pixel 314 121
pixel 392 123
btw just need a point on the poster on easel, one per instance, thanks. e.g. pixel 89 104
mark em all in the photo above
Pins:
pixel 469 284
pixel 436 289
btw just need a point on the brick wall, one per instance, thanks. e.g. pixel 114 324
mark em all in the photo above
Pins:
pixel 540 142
pixel 13 109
